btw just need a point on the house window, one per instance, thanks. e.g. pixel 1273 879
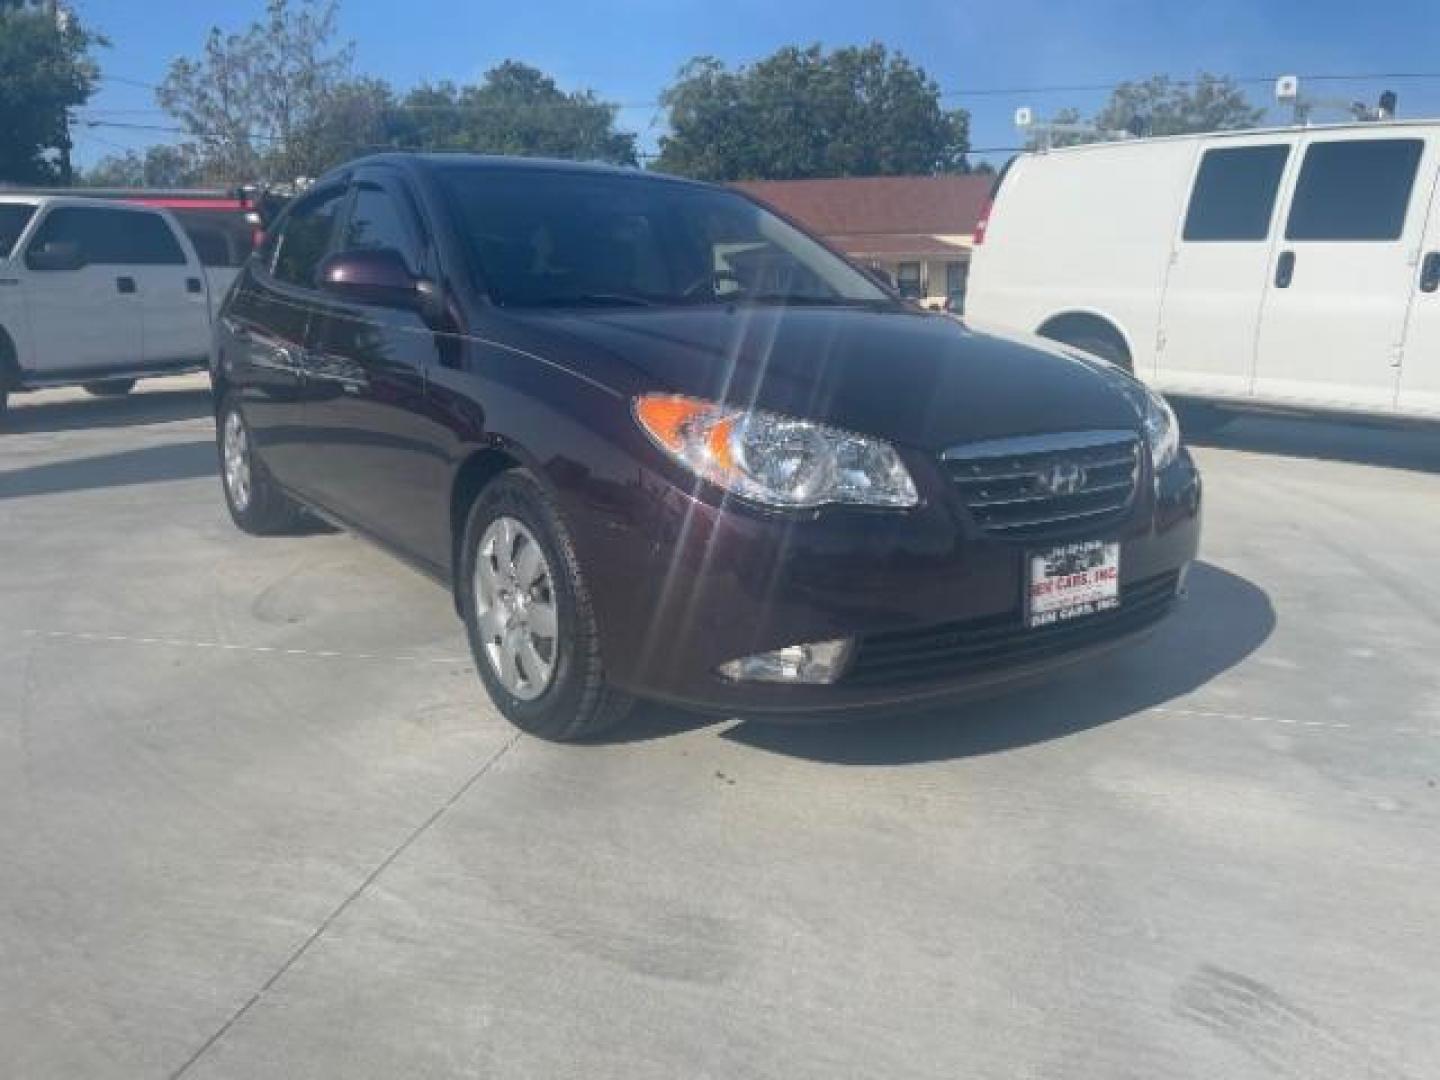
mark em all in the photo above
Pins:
pixel 907 278
pixel 955 275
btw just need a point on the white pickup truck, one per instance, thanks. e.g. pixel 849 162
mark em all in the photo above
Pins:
pixel 97 295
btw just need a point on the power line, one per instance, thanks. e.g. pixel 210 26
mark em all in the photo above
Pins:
pixel 961 92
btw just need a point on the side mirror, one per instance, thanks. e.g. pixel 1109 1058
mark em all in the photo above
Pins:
pixel 375 276
pixel 56 255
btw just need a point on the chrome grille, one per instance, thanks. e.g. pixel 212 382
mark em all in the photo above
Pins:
pixel 1049 485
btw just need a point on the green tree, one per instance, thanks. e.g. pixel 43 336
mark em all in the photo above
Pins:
pixel 357 117
pixel 1170 107
pixel 46 68
pixel 250 97
pixel 159 166
pixel 1068 138
pixel 802 112
pixel 515 109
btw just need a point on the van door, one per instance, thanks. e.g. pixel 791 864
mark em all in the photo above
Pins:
pixel 175 308
pixel 1333 321
pixel 1420 362
pixel 83 323
pixel 1210 312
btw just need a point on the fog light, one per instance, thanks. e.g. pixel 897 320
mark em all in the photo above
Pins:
pixel 817 662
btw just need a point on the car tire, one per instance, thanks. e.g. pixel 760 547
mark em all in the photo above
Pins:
pixel 257 504
pixel 109 387
pixel 565 697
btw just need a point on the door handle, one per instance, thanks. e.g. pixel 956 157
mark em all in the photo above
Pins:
pixel 1430 272
pixel 125 285
pixel 1285 270
pixel 192 285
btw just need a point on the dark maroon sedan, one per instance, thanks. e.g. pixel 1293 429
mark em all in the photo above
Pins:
pixel 660 443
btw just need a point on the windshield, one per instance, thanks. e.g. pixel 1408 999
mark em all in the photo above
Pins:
pixel 551 239
pixel 13 219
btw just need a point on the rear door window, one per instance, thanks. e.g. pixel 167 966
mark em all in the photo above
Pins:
pixel 111 237
pixel 13 219
pixel 1234 193
pixel 1358 189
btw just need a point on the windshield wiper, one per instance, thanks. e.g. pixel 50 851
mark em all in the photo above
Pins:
pixel 597 299
pixel 800 299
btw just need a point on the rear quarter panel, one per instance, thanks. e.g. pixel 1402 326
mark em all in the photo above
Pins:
pixel 1084 229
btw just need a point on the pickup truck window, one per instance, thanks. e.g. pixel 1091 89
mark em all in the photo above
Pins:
pixel 13 219
pixel 111 237
pixel 221 237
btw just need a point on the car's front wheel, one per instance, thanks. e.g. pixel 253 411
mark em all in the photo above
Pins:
pixel 257 505
pixel 528 615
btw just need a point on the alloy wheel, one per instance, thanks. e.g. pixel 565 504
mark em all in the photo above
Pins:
pixel 516 609
pixel 236 446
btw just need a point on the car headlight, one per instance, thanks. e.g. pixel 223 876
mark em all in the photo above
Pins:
pixel 775 460
pixel 1162 430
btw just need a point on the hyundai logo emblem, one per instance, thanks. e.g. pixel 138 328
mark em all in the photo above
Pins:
pixel 1063 478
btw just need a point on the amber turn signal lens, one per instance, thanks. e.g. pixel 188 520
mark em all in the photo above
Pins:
pixel 666 418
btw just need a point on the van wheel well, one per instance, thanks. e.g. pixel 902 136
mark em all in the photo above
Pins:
pixel 1092 334
pixel 473 477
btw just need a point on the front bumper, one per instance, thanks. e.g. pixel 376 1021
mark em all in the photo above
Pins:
pixel 934 603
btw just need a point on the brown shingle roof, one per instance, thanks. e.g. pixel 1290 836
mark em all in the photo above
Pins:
pixel 878 204
pixel 899 245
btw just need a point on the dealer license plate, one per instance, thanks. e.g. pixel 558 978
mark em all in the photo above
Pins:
pixel 1071 581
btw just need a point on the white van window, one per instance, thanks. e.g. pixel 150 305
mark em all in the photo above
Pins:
pixel 1354 190
pixel 1234 193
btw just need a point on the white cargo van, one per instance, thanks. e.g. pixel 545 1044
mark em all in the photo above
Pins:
pixel 1292 268
pixel 97 294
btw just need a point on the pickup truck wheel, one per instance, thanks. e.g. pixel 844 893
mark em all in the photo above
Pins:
pixel 110 387
pixel 257 505
pixel 528 616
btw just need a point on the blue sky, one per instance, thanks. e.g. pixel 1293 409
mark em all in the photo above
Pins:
pixel 627 50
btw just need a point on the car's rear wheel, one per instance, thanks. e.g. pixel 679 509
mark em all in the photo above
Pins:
pixel 528 615
pixel 257 505
pixel 110 387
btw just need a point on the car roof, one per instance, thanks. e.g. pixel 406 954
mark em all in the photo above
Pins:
pixel 438 160
pixel 1359 127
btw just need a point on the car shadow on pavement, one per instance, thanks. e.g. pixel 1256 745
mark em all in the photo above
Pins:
pixel 1392 446
pixel 1224 620
pixel 79 414
pixel 144 465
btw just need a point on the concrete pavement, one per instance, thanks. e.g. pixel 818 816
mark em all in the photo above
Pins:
pixel 259 820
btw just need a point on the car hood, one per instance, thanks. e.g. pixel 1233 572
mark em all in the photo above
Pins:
pixel 915 379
